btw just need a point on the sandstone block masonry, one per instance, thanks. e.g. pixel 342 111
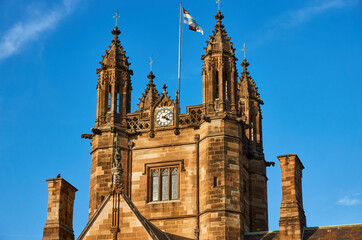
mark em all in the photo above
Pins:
pixel 59 223
pixel 292 219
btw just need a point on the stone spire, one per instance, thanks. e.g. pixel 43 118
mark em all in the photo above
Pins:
pixel 115 56
pixel 114 84
pixel 219 71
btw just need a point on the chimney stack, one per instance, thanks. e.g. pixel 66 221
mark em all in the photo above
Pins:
pixel 292 219
pixel 59 223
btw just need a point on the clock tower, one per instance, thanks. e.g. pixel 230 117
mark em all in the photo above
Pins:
pixel 195 175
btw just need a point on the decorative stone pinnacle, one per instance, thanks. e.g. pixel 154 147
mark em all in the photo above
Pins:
pixel 151 77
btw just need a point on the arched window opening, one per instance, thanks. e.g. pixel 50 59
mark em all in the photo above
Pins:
pixel 164 185
pixel 174 184
pixel 117 103
pixel 109 99
pixel 217 85
pixel 155 181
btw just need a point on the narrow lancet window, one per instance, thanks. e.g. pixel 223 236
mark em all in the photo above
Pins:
pixel 164 181
pixel 217 85
pixel 155 180
pixel 174 184
pixel 109 100
pixel 117 102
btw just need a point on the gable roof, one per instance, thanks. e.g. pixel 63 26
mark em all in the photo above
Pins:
pixel 152 230
pixel 350 232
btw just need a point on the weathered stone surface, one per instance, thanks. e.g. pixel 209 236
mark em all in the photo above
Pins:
pixel 59 223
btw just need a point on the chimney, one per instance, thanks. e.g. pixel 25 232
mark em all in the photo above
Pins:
pixel 292 219
pixel 59 223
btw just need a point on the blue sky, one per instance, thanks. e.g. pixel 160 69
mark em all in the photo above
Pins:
pixel 305 57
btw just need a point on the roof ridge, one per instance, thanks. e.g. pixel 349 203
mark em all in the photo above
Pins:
pixel 149 227
pixel 334 226
pixel 94 217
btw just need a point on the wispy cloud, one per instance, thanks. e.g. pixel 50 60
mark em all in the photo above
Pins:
pixel 22 33
pixel 347 201
pixel 276 28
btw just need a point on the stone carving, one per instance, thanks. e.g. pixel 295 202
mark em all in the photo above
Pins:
pixel 151 96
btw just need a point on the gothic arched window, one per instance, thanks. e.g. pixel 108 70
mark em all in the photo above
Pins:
pixel 174 184
pixel 155 181
pixel 118 104
pixel 109 100
pixel 164 183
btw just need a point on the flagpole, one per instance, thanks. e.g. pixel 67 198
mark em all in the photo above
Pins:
pixel 179 53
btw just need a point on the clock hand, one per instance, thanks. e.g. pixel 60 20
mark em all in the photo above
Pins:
pixel 165 117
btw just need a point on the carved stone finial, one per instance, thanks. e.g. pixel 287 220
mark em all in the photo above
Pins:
pixel 219 16
pixel 116 31
pixel 164 87
pixel 150 76
pixel 245 65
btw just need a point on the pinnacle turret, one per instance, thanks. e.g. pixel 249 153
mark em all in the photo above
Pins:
pixel 247 85
pixel 219 72
pixel 114 84
pixel 151 94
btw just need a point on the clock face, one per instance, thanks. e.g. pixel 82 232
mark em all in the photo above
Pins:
pixel 164 117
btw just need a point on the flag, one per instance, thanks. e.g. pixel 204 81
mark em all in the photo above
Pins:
pixel 191 22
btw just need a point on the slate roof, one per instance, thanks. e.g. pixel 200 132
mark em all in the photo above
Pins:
pixel 153 231
pixel 350 232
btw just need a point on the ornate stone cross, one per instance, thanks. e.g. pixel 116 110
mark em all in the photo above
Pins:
pixel 218 2
pixel 151 62
pixel 244 49
pixel 116 16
